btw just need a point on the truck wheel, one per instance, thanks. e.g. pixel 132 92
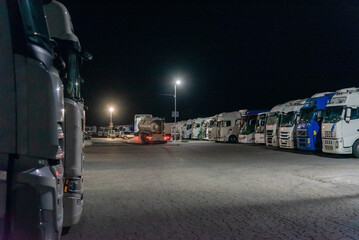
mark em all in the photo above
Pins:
pixel 232 139
pixel 356 149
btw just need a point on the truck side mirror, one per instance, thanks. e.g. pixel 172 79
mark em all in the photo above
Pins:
pixel 319 116
pixel 348 115
pixel 86 56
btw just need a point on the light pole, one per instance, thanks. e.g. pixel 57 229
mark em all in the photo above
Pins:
pixel 111 123
pixel 178 82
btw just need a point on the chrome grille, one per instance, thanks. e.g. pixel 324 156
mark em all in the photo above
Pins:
pixel 329 134
pixel 302 132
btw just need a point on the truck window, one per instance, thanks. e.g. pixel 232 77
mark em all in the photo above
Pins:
pixel 333 114
pixel 228 123
pixel 35 24
pixel 355 114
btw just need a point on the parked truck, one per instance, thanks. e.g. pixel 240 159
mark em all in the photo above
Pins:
pixel 206 126
pixel 188 129
pixel 150 130
pixel 69 48
pixel 272 125
pixel 212 129
pixel 288 123
pixel 340 134
pixel 226 126
pixel 32 125
pixel 260 128
pixel 247 126
pixel 197 129
pixel 309 125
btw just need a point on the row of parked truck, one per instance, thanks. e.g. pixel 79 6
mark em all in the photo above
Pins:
pixel 327 122
pixel 42 120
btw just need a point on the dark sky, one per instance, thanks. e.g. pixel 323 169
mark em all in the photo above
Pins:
pixel 230 54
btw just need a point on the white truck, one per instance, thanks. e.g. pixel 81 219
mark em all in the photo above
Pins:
pixel 212 129
pixel 197 130
pixel 340 128
pixel 206 126
pixel 247 126
pixel 288 124
pixel 188 129
pixel 272 125
pixel 260 128
pixel 226 123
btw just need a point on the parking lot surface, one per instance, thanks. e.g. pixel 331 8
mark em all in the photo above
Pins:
pixel 206 190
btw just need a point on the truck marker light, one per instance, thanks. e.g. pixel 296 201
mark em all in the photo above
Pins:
pixel 149 138
pixel 65 190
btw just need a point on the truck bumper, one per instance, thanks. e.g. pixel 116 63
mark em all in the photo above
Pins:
pixel 305 143
pixel 286 143
pixel 73 206
pixel 335 146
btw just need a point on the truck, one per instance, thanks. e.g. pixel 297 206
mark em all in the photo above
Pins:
pixel 32 125
pixel 150 130
pixel 197 130
pixel 69 49
pixel 272 124
pixel 206 126
pixel 226 125
pixel 340 134
pixel 260 128
pixel 309 124
pixel 137 119
pixel 188 129
pixel 212 128
pixel 247 126
pixel 288 123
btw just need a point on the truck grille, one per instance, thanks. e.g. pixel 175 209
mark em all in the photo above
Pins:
pixel 302 142
pixel 302 132
pixel 329 134
pixel 330 144
pixel 284 135
pixel 269 132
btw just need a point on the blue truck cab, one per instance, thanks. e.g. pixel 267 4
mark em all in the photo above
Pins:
pixel 309 122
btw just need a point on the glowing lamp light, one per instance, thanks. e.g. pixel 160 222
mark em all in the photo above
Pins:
pixel 111 109
pixel 178 82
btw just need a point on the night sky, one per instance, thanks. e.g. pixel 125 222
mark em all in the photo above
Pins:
pixel 230 54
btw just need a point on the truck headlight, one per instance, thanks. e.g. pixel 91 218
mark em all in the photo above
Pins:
pixel 73 185
pixel 336 144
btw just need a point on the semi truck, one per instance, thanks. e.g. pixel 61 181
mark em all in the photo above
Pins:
pixel 340 128
pixel 288 123
pixel 206 126
pixel 309 125
pixel 150 130
pixel 32 125
pixel 226 126
pixel 197 129
pixel 212 129
pixel 272 125
pixel 188 129
pixel 247 126
pixel 260 128
pixel 69 49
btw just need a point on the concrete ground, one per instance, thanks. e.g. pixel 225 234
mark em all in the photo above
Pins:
pixel 206 190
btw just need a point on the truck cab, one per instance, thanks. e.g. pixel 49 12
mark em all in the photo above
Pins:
pixel 340 128
pixel 212 128
pixel 247 126
pixel 287 130
pixel 188 129
pixel 260 128
pixel 227 129
pixel 272 125
pixel 197 130
pixel 32 125
pixel 309 125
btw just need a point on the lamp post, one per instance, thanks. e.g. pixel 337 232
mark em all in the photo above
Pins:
pixel 178 82
pixel 111 123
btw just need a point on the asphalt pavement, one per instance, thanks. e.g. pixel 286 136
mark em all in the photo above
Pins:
pixel 206 190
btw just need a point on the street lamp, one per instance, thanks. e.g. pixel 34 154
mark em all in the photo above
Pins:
pixel 111 123
pixel 178 82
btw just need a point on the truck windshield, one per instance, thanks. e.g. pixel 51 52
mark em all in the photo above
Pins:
pixel 260 124
pixel 247 125
pixel 272 118
pixel 35 23
pixel 334 114
pixel 73 79
pixel 189 126
pixel 287 120
pixel 306 115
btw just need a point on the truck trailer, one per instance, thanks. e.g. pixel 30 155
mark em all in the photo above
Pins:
pixel 309 125
pixel 341 123
pixel 150 130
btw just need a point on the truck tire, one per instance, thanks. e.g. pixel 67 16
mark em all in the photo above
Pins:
pixel 232 139
pixel 356 149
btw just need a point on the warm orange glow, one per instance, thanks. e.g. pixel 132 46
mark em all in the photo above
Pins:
pixel 149 138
